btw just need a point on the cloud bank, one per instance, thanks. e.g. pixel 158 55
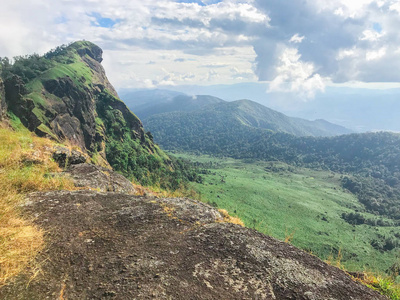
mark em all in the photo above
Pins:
pixel 298 46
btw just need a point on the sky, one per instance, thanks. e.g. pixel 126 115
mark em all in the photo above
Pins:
pixel 298 46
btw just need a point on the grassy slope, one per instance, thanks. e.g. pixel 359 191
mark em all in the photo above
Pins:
pixel 303 203
pixel 25 163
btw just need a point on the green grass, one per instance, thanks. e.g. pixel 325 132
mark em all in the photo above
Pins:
pixel 76 71
pixel 280 200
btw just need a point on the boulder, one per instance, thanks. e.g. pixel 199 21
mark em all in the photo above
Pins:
pixel 99 178
pixel 65 157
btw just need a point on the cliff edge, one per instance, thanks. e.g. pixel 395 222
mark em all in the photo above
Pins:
pixel 118 246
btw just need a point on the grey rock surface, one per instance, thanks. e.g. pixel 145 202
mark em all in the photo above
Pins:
pixel 65 157
pixel 116 246
pixel 99 178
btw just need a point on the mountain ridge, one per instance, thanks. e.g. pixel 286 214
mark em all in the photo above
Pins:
pixel 249 112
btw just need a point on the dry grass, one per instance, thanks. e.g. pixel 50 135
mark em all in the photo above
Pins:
pixel 336 261
pixel 25 166
pixel 229 219
pixel 289 236
pixel 382 284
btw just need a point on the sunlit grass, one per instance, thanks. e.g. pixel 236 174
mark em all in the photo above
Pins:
pixel 295 205
pixel 25 166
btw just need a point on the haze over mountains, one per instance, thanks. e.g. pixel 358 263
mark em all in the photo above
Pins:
pixel 148 104
pixel 358 109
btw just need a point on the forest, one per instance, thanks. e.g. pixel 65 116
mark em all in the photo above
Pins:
pixel 369 162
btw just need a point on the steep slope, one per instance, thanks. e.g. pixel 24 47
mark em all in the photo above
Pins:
pixel 116 246
pixel 66 95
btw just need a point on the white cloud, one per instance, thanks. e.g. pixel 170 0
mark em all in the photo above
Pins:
pixel 294 75
pixel 297 47
pixel 296 39
pixel 242 74
pixel 346 40
pixel 395 6
pixel 373 55
pixel 371 35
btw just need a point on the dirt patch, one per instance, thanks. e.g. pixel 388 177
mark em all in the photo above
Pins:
pixel 116 246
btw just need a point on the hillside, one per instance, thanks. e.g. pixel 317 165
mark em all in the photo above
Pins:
pixel 244 112
pixel 151 102
pixel 303 206
pixel 372 159
pixel 65 95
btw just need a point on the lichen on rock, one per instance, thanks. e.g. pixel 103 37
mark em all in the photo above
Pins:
pixel 112 245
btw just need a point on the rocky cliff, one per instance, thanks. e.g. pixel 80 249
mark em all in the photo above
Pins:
pixel 117 246
pixel 61 102
pixel 65 95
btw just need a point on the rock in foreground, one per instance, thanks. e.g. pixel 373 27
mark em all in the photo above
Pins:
pixel 116 246
pixel 99 178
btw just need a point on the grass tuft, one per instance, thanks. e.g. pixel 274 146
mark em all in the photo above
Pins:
pixel 230 219
pixel 382 284
pixel 25 166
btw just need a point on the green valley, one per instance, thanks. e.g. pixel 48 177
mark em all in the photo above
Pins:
pixel 300 205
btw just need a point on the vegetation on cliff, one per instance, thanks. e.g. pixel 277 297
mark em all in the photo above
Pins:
pixel 65 95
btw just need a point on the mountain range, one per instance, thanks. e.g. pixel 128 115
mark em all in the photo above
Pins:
pixel 147 104
pixel 359 109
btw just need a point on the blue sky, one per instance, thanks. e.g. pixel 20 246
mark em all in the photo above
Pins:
pixel 299 47
pixel 102 21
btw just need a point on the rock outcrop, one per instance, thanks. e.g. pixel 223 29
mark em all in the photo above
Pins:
pixel 62 102
pixel 69 98
pixel 65 157
pixel 115 246
pixel 99 179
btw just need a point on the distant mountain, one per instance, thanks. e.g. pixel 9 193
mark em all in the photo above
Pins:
pixel 152 102
pixel 359 109
pixel 247 112
pixel 255 115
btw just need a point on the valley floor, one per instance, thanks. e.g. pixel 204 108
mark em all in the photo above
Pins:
pixel 301 206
